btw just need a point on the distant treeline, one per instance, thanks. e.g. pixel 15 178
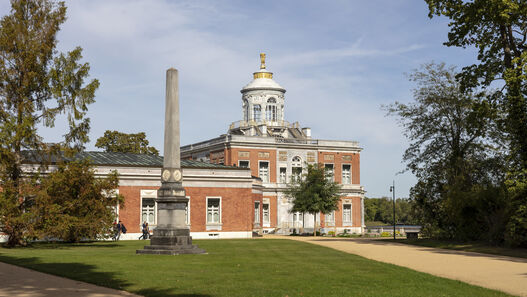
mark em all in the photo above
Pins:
pixel 381 210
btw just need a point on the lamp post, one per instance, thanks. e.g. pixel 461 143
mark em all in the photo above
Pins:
pixel 392 189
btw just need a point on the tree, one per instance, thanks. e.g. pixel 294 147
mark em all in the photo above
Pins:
pixel 498 29
pixel 381 210
pixel 36 84
pixel 115 141
pixel 314 193
pixel 451 152
pixel 72 204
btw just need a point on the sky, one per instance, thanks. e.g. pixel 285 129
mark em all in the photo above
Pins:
pixel 339 61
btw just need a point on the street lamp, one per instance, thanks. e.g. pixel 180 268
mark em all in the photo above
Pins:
pixel 392 189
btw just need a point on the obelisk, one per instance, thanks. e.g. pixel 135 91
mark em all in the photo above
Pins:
pixel 172 235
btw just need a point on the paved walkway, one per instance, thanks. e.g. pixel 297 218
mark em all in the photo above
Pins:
pixel 507 274
pixel 22 282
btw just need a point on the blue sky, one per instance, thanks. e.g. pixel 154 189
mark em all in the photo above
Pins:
pixel 338 60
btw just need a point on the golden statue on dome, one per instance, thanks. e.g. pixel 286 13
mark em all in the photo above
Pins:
pixel 262 60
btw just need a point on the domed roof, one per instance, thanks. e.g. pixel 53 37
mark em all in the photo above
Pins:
pixel 263 80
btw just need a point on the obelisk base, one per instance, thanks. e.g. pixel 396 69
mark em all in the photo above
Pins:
pixel 171 242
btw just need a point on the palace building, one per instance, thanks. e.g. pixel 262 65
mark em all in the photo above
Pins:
pixel 235 182
pixel 276 151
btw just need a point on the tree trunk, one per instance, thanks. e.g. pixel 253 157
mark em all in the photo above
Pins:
pixel 315 225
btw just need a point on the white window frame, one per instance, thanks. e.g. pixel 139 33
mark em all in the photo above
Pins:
pixel 115 208
pixel 259 113
pixel 299 222
pixel 213 225
pixel 187 212
pixel 257 212
pixel 248 163
pixel 245 110
pixel 330 217
pixel 148 194
pixel 270 113
pixel 332 177
pixel 294 165
pixel 342 181
pixel 282 179
pixel 344 221
pixel 266 223
pixel 268 171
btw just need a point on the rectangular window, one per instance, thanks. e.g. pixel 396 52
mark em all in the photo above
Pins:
pixel 346 214
pixel 330 217
pixel 265 210
pixel 283 175
pixel 187 212
pixel 257 212
pixel 264 171
pixel 298 219
pixel 213 211
pixel 148 210
pixel 297 173
pixel 346 174
pixel 329 172
pixel 243 164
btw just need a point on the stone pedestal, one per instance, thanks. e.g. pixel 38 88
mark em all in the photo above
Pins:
pixel 171 236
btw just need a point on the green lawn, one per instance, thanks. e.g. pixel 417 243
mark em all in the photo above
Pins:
pixel 478 247
pixel 258 267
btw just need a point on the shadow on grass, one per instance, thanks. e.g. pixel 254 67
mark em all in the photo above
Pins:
pixel 159 293
pixel 64 245
pixel 30 284
pixel 437 250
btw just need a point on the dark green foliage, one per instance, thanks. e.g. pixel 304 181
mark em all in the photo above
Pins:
pixel 498 29
pixel 455 156
pixel 381 210
pixel 36 84
pixel 516 232
pixel 73 205
pixel 314 192
pixel 115 141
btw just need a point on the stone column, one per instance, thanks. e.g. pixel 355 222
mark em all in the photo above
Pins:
pixel 171 236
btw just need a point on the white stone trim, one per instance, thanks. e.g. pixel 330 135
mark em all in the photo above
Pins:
pixel 342 173
pixel 248 163
pixel 213 226
pixel 221 234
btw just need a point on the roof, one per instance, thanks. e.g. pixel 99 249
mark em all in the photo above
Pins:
pixel 129 159
pixel 263 84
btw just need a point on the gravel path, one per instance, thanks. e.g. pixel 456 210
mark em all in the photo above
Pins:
pixel 22 282
pixel 506 274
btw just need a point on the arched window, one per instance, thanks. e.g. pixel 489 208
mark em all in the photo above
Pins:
pixel 296 167
pixel 296 162
pixel 245 110
pixel 270 110
pixel 257 112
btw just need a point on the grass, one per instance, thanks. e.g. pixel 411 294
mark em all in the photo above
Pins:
pixel 478 247
pixel 258 267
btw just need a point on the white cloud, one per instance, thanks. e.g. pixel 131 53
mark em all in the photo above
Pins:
pixel 339 63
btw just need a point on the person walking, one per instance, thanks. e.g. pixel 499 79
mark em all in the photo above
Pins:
pixel 146 232
pixel 117 231
pixel 119 228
